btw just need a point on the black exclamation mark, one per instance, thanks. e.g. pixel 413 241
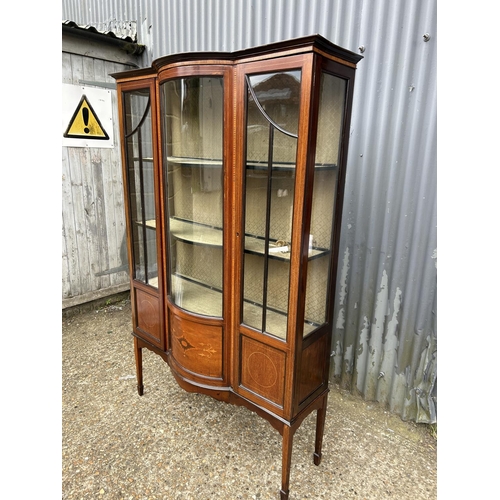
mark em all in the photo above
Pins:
pixel 85 112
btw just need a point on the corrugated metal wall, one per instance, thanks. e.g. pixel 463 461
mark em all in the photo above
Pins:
pixel 385 337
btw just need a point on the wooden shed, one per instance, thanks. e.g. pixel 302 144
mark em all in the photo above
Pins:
pixel 94 251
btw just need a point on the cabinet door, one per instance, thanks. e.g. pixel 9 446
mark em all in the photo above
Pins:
pixel 141 195
pixel 140 184
pixel 192 114
pixel 272 118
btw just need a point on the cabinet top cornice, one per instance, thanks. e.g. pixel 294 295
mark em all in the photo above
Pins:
pixel 307 44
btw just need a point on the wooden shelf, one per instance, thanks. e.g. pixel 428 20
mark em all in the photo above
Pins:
pixel 275 321
pixel 147 159
pixel 151 223
pixel 205 235
pixel 257 246
pixel 196 297
pixel 200 299
pixel 194 162
pixel 251 165
pixel 195 233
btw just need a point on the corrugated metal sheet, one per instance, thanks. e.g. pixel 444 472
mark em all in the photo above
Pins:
pixel 123 30
pixel 385 337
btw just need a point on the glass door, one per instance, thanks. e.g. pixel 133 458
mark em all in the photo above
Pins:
pixel 272 107
pixel 332 101
pixel 193 169
pixel 140 180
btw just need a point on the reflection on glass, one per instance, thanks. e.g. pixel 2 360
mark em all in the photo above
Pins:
pixel 330 122
pixel 192 110
pixel 140 178
pixel 271 145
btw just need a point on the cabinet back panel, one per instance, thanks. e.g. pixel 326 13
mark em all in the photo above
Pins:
pixel 281 204
pixel 198 195
pixel 316 290
pixel 325 184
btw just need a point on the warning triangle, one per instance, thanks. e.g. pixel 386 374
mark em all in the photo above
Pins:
pixel 84 123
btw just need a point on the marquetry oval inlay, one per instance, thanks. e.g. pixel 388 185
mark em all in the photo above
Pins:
pixel 262 369
pixel 148 313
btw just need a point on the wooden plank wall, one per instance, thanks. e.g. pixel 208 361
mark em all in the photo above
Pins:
pixel 94 252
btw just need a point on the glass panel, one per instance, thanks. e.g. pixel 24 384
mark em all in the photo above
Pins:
pixel 330 123
pixel 140 178
pixel 192 110
pixel 271 146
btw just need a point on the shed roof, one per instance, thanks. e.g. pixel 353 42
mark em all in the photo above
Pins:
pixel 122 30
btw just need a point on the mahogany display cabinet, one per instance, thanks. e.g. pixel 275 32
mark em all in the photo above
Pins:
pixel 234 167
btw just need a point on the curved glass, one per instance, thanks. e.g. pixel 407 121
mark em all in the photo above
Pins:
pixel 140 179
pixel 271 147
pixel 330 126
pixel 192 115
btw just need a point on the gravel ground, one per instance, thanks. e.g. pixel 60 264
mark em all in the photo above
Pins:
pixel 170 444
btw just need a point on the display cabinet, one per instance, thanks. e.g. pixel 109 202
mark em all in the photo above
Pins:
pixel 234 167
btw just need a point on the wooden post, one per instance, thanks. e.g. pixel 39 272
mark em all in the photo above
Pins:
pixel 138 366
pixel 286 461
pixel 320 429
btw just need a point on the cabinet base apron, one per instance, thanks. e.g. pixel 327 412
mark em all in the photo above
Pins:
pixel 284 427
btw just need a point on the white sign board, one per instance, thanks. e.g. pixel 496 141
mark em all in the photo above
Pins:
pixel 86 117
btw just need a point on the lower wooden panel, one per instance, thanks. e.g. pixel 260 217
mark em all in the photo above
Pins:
pixel 147 307
pixel 197 347
pixel 263 370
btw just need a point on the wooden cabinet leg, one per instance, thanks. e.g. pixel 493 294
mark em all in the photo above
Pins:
pixel 320 429
pixel 286 461
pixel 138 366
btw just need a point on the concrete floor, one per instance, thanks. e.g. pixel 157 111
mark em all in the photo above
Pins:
pixel 170 444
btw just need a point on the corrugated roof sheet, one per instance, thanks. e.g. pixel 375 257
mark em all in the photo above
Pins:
pixel 122 30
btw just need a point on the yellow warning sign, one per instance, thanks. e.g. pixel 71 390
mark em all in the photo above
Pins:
pixel 84 123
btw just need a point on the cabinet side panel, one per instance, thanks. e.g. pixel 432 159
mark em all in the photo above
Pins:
pixel 263 370
pixel 196 347
pixel 147 308
pixel 312 369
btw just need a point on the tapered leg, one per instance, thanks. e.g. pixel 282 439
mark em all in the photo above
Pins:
pixel 286 462
pixel 138 366
pixel 320 429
